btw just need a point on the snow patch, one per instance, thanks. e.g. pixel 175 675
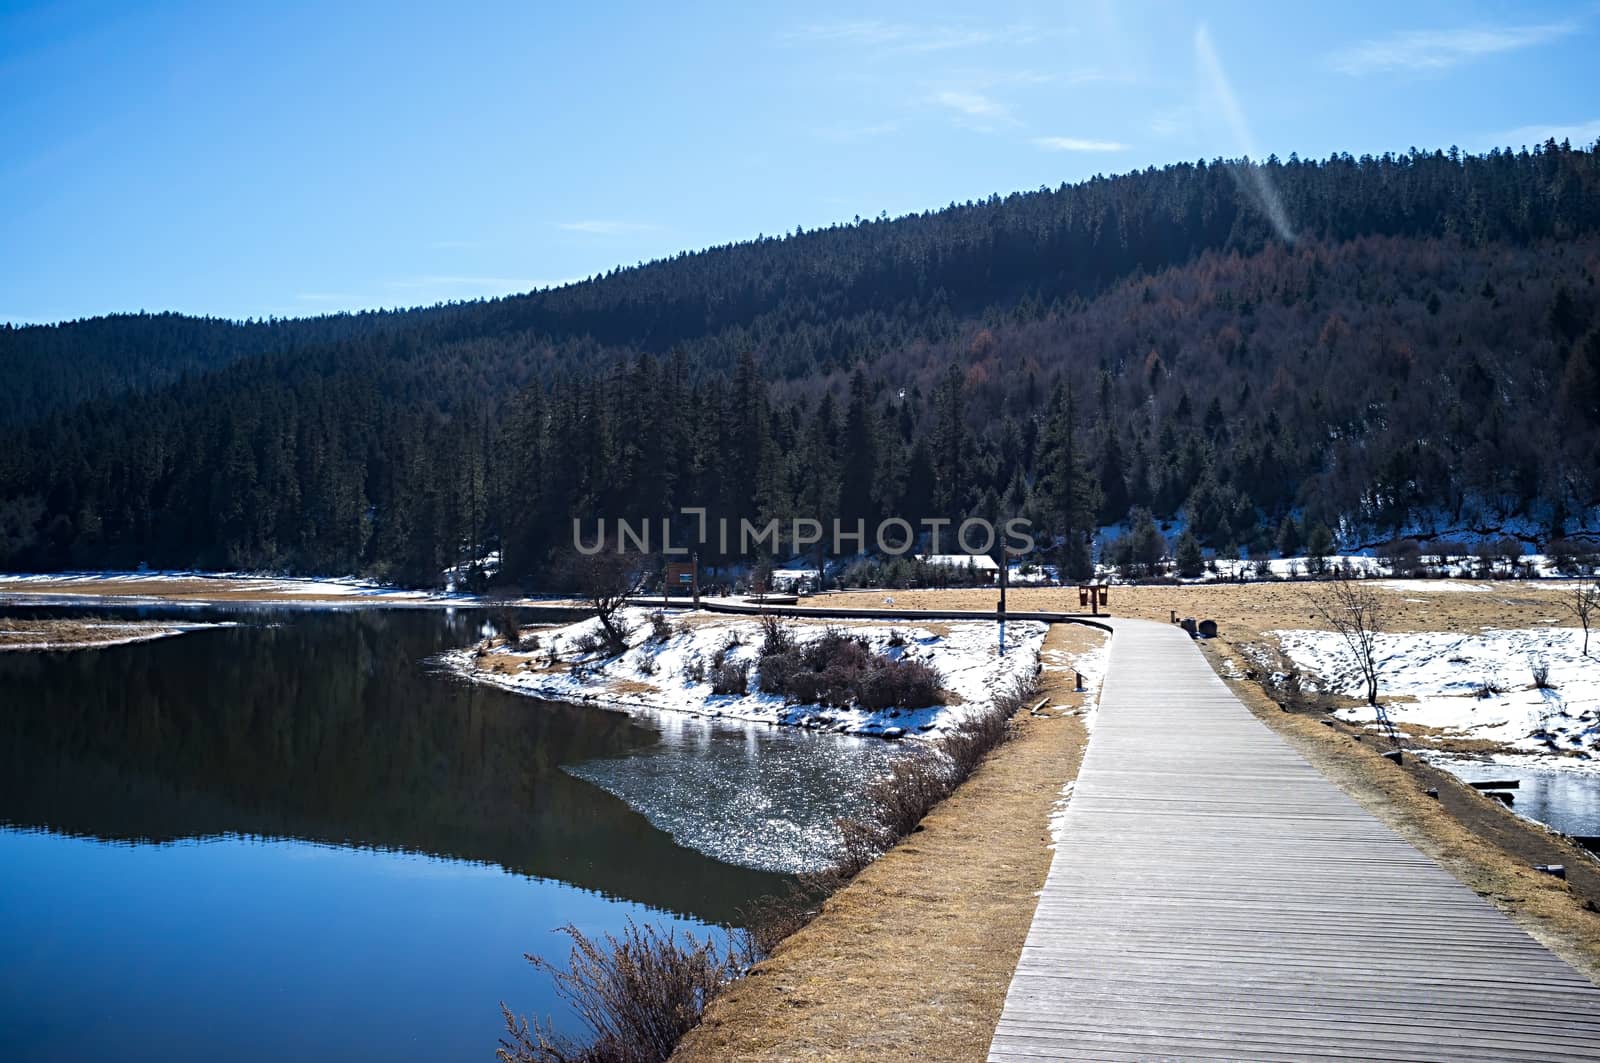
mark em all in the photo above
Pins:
pixel 658 675
pixel 1471 686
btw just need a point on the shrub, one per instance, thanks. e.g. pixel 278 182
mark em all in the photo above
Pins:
pixel 638 994
pixel 776 636
pixel 588 642
pixel 694 669
pixel 897 638
pixel 898 684
pixel 660 627
pixel 1400 556
pixel 729 644
pixel 840 670
pixel 1488 688
pixel 730 677
pixel 777 670
pixel 1541 673
pixel 647 665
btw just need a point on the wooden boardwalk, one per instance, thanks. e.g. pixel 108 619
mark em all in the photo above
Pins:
pixel 1215 897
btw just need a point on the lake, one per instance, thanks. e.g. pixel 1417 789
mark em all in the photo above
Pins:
pixel 295 838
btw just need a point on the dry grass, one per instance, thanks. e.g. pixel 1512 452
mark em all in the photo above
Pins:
pixel 912 959
pixel 1408 606
pixel 17 634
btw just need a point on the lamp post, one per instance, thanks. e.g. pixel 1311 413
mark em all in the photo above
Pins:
pixel 1005 568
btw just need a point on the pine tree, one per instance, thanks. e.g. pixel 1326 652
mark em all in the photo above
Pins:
pixel 1071 495
pixel 1191 561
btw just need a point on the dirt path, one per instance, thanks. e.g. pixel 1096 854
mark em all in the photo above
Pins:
pixel 912 960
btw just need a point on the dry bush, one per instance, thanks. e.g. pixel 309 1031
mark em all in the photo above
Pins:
pixel 889 683
pixel 729 644
pixel 660 627
pixel 731 677
pixel 588 642
pixel 1540 667
pixel 840 670
pixel 776 636
pixel 770 919
pixel 637 993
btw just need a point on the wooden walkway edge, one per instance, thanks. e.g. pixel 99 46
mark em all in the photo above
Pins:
pixel 1213 896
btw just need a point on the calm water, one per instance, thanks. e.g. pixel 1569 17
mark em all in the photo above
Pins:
pixel 1564 798
pixel 293 839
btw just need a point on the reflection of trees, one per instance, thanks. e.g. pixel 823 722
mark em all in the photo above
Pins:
pixel 326 729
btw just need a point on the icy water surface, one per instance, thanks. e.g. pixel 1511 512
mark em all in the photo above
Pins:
pixel 765 797
pixel 1567 799
pixel 293 839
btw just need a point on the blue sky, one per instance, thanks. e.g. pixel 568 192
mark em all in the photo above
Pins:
pixel 291 159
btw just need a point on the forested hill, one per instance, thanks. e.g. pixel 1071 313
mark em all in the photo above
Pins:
pixel 1363 343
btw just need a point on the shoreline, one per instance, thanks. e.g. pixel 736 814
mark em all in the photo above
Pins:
pixel 913 957
pixel 666 672
pixel 54 636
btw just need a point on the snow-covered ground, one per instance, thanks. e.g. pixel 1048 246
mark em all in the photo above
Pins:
pixel 1435 586
pixel 1091 665
pixel 655 676
pixel 1472 686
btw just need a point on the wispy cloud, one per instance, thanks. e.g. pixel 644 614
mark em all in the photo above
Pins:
pixel 975 110
pixel 1078 144
pixel 973 103
pixel 1433 50
pixel 1251 177
pixel 605 227
pixel 1581 135
pixel 882 35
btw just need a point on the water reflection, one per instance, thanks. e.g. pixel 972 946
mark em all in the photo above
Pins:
pixel 766 798
pixel 322 726
pixel 291 840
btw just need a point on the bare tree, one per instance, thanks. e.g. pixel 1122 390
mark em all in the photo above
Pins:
pixel 1353 609
pixel 1581 601
pixel 605 580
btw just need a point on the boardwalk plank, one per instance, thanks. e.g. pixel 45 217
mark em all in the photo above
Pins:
pixel 1214 896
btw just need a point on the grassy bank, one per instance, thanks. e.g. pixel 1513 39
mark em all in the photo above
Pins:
pixel 912 959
